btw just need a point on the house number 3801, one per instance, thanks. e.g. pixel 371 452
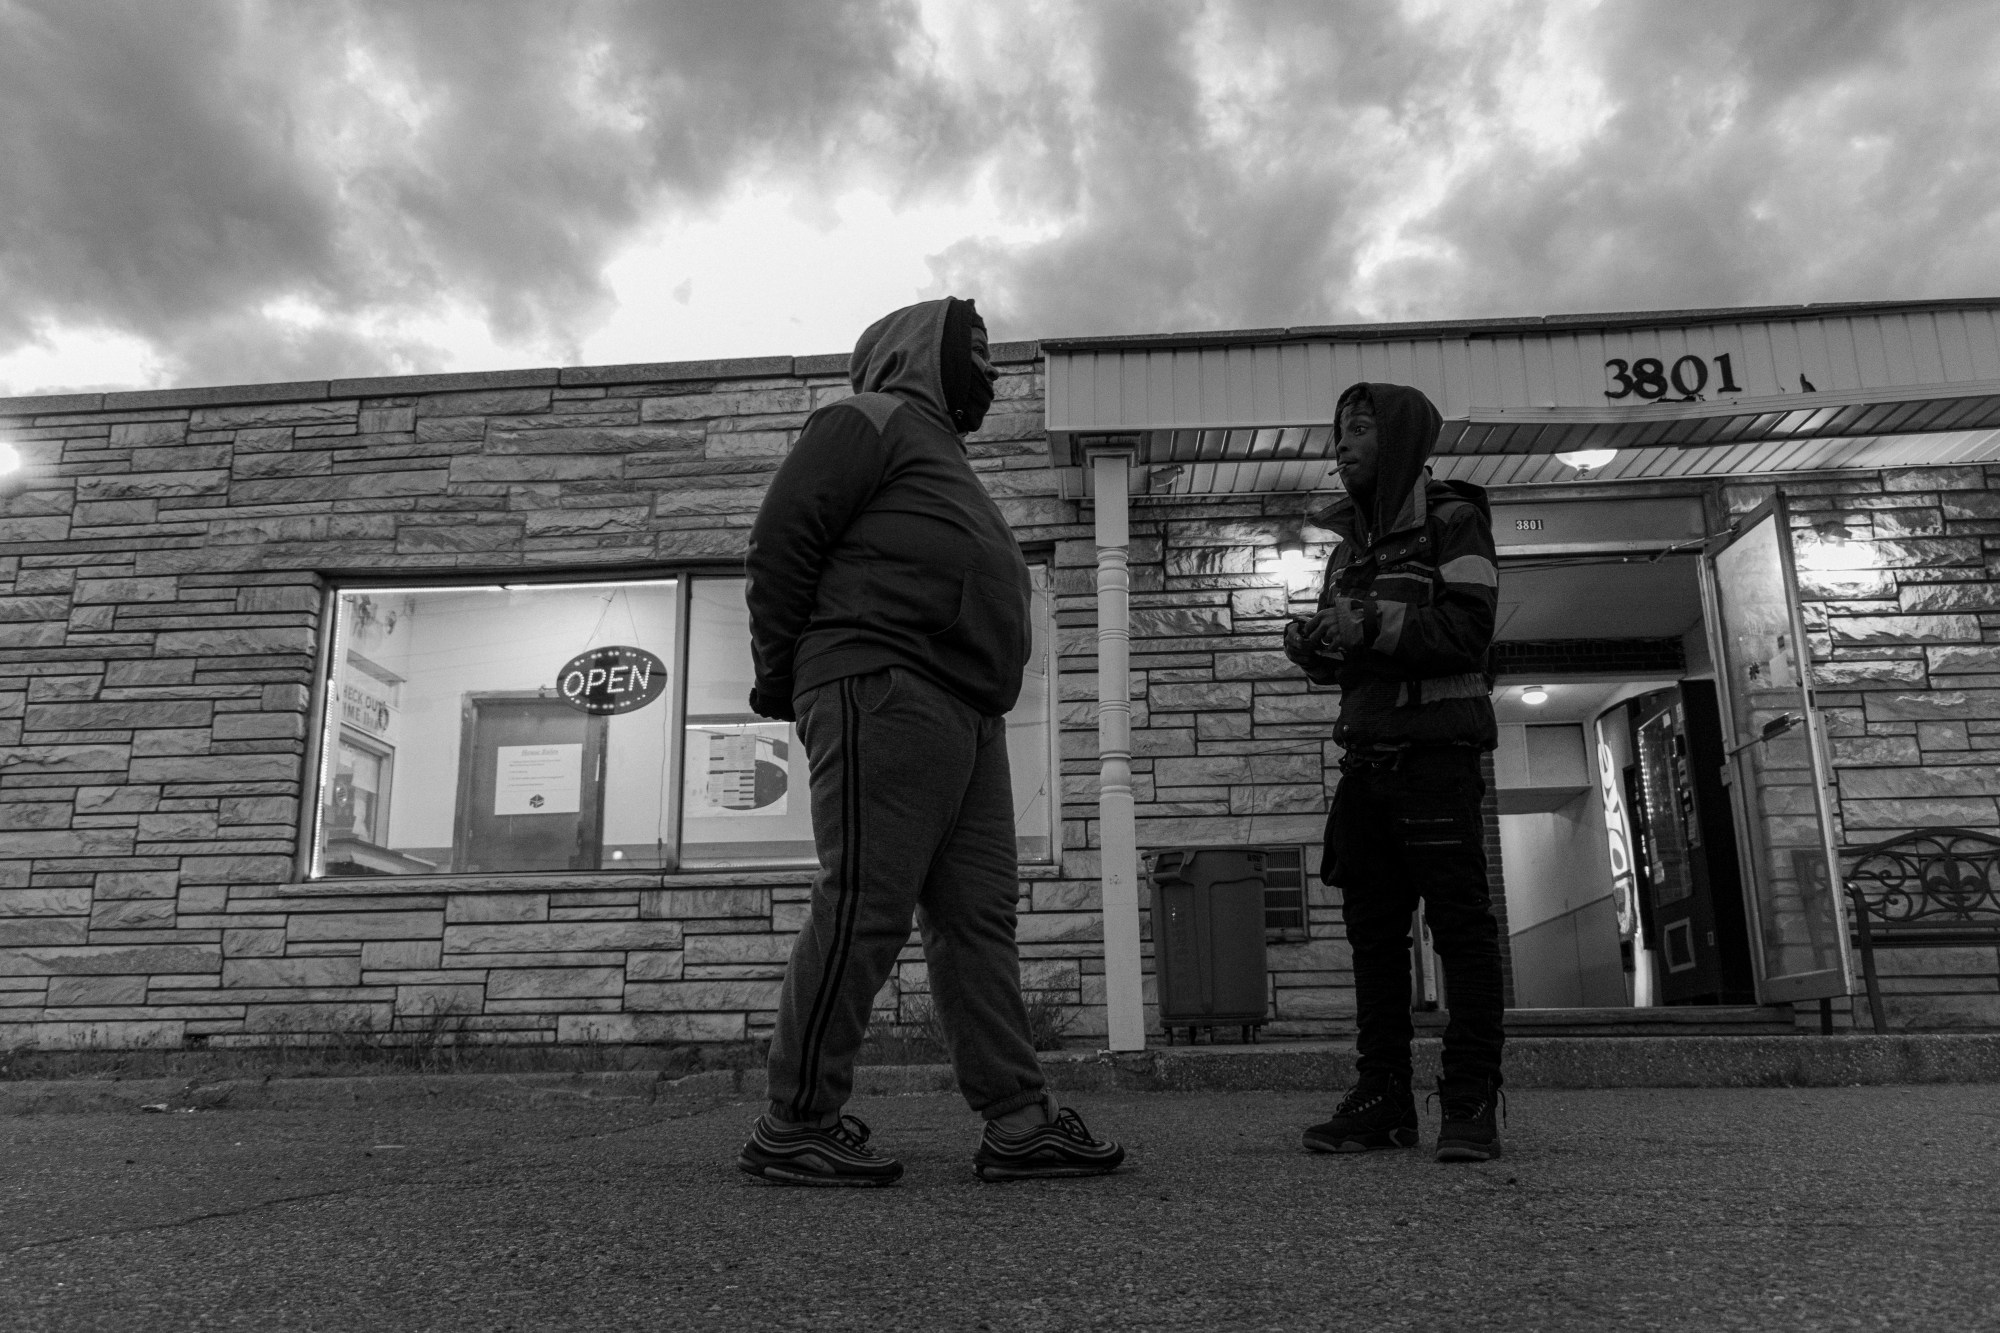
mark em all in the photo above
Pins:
pixel 1652 379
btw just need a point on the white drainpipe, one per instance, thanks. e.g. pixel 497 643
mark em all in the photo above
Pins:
pixel 1118 835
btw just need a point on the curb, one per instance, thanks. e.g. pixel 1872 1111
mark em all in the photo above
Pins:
pixel 1532 1062
pixel 447 1092
pixel 1561 1062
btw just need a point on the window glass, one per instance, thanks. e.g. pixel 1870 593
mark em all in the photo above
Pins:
pixel 744 793
pixel 1030 738
pixel 743 787
pixel 483 730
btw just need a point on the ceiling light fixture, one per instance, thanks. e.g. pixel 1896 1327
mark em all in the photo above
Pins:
pixel 1535 695
pixel 1587 461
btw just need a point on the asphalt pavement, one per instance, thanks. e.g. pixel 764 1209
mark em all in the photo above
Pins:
pixel 1807 1208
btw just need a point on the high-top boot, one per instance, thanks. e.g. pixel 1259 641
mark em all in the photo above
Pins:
pixel 1468 1133
pixel 1377 1112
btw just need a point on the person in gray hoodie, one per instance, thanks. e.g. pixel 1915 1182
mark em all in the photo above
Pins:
pixel 889 618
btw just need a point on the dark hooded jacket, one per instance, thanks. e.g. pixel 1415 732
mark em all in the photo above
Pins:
pixel 876 545
pixel 1421 563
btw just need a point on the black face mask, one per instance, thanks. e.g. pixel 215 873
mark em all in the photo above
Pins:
pixel 967 392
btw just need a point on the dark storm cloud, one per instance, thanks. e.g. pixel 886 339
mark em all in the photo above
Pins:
pixel 1757 153
pixel 269 191
pixel 1407 163
pixel 1223 163
pixel 172 170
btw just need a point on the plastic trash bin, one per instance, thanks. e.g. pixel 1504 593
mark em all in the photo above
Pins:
pixel 1208 939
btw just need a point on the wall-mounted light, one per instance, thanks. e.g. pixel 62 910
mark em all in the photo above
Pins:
pixel 1535 695
pixel 10 459
pixel 1587 461
pixel 1830 551
pixel 1294 565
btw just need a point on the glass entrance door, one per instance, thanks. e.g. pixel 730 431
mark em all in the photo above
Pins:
pixel 1775 762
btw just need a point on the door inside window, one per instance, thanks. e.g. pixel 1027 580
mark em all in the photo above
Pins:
pixel 1780 782
pixel 531 785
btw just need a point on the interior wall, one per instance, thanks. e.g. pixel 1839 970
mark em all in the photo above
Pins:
pixel 1556 862
pixel 1571 961
pixel 1557 879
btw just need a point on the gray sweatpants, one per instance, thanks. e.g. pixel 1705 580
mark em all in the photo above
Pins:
pixel 913 811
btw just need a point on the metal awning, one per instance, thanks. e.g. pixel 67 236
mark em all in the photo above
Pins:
pixel 1496 454
pixel 1807 390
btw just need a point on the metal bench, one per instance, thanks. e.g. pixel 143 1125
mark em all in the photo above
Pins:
pixel 1933 888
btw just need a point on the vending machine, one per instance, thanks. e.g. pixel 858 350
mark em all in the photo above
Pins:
pixel 1687 848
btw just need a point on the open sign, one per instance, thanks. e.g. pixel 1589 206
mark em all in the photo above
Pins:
pixel 617 679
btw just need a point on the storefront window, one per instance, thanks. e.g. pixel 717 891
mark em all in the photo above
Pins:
pixel 483 730
pixel 525 728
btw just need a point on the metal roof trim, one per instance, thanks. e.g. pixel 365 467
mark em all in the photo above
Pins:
pixel 1782 404
pixel 1502 327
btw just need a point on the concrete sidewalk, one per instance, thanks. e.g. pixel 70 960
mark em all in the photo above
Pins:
pixel 1769 1209
pixel 1531 1062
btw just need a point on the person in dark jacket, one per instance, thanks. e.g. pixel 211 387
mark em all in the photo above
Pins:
pixel 889 617
pixel 1404 628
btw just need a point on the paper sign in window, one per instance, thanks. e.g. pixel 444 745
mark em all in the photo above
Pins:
pixel 538 780
pixel 739 769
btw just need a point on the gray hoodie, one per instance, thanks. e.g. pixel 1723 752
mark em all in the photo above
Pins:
pixel 876 545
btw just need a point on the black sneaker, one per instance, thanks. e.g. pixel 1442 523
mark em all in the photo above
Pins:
pixel 837 1154
pixel 1468 1133
pixel 1062 1147
pixel 1378 1112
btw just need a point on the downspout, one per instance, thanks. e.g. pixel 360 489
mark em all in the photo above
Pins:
pixel 1118 837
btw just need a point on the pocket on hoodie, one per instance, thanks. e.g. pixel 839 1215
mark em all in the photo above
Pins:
pixel 988 639
pixel 906 600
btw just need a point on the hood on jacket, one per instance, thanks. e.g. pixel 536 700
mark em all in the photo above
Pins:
pixel 922 354
pixel 1406 427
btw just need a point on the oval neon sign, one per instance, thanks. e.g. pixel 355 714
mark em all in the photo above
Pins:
pixel 617 679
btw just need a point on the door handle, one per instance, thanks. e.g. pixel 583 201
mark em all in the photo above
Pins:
pixel 1773 729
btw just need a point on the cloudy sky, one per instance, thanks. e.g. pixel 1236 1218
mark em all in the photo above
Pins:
pixel 211 193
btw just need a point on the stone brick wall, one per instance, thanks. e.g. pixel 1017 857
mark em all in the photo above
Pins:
pixel 162 564
pixel 1900 577
pixel 1230 744
pixel 163 560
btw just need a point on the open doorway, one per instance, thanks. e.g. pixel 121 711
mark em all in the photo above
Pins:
pixel 1619 859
